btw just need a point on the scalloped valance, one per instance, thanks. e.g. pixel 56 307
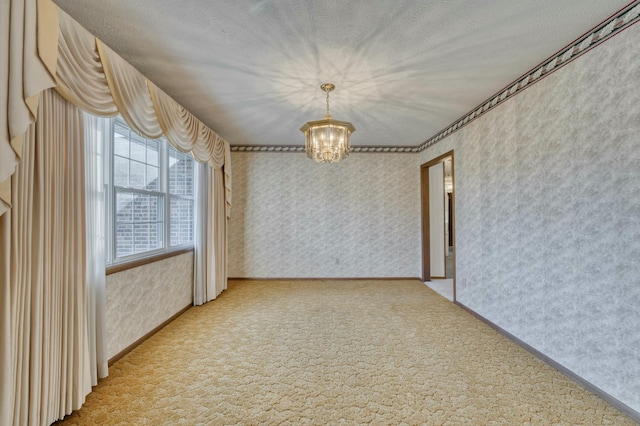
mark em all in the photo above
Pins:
pixel 89 74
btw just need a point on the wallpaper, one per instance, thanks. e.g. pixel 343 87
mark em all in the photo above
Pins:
pixel 293 217
pixel 140 299
pixel 547 190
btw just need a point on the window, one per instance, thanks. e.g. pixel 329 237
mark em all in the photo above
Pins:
pixel 150 195
pixel 181 204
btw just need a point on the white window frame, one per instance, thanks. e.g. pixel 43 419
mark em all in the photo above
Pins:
pixel 162 192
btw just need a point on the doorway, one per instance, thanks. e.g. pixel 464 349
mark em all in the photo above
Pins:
pixel 438 226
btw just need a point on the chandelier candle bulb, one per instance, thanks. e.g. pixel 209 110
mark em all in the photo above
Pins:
pixel 327 140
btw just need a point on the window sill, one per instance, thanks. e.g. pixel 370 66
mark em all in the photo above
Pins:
pixel 112 269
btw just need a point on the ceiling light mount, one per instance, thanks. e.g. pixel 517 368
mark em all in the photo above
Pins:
pixel 327 87
pixel 328 140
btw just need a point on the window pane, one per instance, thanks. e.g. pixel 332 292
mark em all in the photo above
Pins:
pixel 121 144
pixel 142 239
pixel 189 182
pixel 146 237
pixel 181 221
pixel 180 173
pixel 155 209
pixel 158 230
pixel 141 208
pixel 136 179
pixel 138 148
pixel 152 152
pixel 120 171
pixel 152 183
pixel 139 223
pixel 124 240
pixel 124 207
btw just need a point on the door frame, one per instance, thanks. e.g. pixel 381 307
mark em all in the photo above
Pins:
pixel 424 208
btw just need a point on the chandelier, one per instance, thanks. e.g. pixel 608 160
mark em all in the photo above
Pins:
pixel 328 139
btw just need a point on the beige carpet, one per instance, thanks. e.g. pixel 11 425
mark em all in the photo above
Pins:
pixel 335 352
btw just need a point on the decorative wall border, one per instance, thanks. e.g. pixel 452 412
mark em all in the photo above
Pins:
pixel 297 148
pixel 618 22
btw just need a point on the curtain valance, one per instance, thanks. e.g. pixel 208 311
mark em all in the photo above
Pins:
pixel 188 134
pixel 80 76
pixel 28 45
pixel 95 78
pixel 130 93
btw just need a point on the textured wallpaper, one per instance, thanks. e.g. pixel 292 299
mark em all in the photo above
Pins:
pixel 548 215
pixel 140 299
pixel 293 217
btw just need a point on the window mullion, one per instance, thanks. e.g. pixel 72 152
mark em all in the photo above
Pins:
pixel 166 198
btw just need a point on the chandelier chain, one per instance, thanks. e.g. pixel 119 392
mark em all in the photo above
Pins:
pixel 327 103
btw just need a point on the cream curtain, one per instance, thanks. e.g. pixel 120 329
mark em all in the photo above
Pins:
pixel 28 45
pixel 43 263
pixel 7 355
pixel 219 235
pixel 200 260
pixel 210 263
pixel 96 129
pixel 227 179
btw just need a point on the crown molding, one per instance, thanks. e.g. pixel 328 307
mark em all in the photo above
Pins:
pixel 615 24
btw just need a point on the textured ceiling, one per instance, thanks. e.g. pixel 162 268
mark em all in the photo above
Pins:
pixel 403 70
